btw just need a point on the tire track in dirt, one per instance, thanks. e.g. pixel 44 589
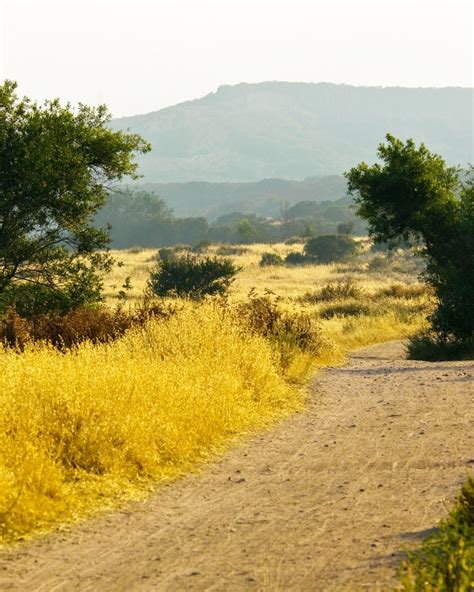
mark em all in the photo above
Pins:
pixel 325 501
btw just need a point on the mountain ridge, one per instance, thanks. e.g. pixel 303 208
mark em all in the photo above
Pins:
pixel 287 130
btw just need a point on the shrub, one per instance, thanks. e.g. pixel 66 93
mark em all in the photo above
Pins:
pixel 402 291
pixel 201 246
pixel 446 558
pixel 345 309
pixel 269 259
pixel 98 324
pixel 433 347
pixel 330 248
pixel 164 254
pixel 345 228
pixel 228 250
pixel 335 291
pixel 378 264
pixel 296 258
pixel 192 277
pixel 295 240
pixel 379 246
pixel 288 331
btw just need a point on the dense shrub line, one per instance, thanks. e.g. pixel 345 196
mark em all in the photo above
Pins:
pixel 98 324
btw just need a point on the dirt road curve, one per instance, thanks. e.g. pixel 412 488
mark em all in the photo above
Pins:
pixel 323 502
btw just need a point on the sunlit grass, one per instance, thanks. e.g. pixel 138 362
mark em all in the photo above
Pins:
pixel 81 429
pixel 286 282
pixel 78 426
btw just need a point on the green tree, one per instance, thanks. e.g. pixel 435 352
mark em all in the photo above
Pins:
pixel 56 166
pixel 246 231
pixel 345 228
pixel 413 195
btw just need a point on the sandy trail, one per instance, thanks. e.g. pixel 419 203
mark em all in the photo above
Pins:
pixel 323 502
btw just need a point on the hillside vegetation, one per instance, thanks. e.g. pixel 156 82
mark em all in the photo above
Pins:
pixel 265 197
pixel 143 219
pixel 295 130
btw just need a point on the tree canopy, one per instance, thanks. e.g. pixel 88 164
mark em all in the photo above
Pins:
pixel 413 195
pixel 56 167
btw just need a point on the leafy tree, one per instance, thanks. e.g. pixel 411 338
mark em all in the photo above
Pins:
pixel 246 231
pixel 412 195
pixel 192 277
pixel 345 228
pixel 55 168
pixel 329 248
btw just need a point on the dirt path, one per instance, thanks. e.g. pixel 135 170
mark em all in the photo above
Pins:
pixel 323 502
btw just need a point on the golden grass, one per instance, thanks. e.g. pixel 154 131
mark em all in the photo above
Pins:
pixel 395 319
pixel 79 426
pixel 287 282
pixel 82 429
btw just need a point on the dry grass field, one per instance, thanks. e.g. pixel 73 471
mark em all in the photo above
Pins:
pixel 286 282
pixel 82 428
pixel 387 302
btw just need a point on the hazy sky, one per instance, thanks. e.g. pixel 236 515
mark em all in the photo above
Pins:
pixel 139 56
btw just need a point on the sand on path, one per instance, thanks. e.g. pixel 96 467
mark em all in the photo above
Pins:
pixel 325 501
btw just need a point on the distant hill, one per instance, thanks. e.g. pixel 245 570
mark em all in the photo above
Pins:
pixel 290 130
pixel 266 197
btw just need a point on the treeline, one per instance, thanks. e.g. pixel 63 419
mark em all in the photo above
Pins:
pixel 264 197
pixel 140 218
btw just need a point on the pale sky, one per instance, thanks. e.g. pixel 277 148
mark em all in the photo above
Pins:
pixel 139 56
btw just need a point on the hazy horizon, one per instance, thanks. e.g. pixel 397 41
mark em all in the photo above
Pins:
pixel 142 56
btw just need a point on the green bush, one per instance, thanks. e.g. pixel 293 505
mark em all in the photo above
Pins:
pixel 296 258
pixel 330 248
pixel 32 300
pixel 378 264
pixel 345 228
pixel 269 259
pixel 295 240
pixel 351 308
pixel 432 347
pixel 445 561
pixel 202 246
pixel 164 254
pixel 192 277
